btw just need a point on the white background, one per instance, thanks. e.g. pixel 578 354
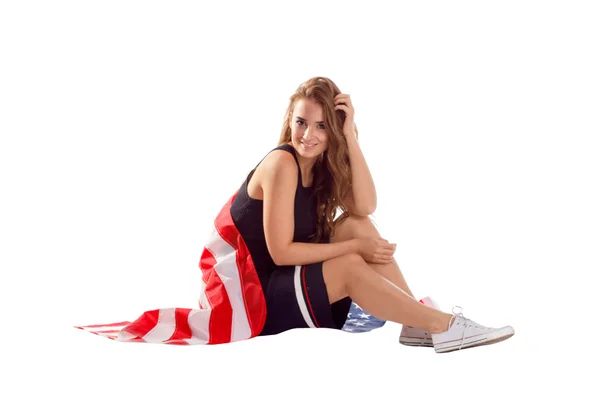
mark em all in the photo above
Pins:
pixel 480 124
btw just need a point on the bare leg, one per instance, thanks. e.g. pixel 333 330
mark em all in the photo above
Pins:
pixel 356 227
pixel 350 275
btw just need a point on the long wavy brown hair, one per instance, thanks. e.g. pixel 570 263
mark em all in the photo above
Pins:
pixel 332 174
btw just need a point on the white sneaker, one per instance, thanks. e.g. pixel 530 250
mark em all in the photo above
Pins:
pixel 411 336
pixel 464 333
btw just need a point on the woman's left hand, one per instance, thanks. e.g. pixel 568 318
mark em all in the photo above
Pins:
pixel 343 102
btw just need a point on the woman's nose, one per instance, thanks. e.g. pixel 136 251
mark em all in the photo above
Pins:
pixel 308 132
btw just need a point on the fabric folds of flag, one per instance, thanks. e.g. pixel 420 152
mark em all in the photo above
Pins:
pixel 231 305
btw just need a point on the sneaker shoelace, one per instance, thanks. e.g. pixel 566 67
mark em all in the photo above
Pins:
pixel 467 323
pixel 464 322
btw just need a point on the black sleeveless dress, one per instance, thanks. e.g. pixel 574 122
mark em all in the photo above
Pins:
pixel 296 295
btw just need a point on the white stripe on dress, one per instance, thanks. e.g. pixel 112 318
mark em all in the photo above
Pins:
pixel 300 297
pixel 199 322
pixel 164 328
pixel 227 269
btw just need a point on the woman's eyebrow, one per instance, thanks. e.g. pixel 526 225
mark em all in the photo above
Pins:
pixel 318 122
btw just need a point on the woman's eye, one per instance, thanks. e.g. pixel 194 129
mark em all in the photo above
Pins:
pixel 321 126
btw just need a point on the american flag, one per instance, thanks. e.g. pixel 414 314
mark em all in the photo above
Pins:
pixel 231 306
pixel 359 321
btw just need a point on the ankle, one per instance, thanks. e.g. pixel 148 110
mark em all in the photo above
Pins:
pixel 442 324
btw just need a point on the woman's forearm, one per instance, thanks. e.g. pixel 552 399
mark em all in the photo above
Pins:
pixel 300 253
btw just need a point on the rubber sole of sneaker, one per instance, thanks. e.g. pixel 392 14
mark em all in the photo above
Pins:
pixel 491 337
pixel 416 342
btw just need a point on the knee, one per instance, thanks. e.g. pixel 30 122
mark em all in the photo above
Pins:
pixel 354 259
pixel 352 262
pixel 347 263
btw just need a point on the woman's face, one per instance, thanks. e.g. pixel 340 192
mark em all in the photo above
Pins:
pixel 309 133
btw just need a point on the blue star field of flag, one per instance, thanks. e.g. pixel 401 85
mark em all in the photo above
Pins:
pixel 359 321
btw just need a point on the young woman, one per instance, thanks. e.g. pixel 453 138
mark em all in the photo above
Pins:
pixel 311 266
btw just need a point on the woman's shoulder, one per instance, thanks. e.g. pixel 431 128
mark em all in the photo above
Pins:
pixel 281 162
pixel 283 148
pixel 279 158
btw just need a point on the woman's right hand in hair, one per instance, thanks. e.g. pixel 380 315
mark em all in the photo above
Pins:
pixel 376 250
